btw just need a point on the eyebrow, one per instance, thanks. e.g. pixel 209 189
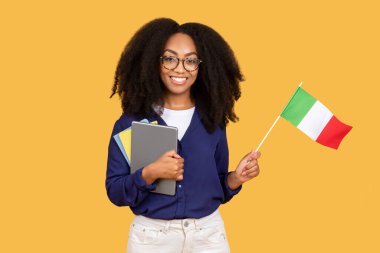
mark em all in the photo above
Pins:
pixel 174 52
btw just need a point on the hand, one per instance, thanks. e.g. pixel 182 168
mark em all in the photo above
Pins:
pixel 247 169
pixel 167 166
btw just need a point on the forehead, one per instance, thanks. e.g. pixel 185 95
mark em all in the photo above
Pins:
pixel 180 43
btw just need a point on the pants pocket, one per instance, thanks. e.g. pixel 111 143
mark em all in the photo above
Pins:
pixel 143 234
pixel 214 234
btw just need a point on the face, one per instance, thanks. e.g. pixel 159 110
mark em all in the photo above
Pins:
pixel 178 81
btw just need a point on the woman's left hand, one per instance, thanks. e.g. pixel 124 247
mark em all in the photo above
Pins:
pixel 247 169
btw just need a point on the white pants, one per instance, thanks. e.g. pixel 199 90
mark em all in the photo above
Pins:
pixel 202 235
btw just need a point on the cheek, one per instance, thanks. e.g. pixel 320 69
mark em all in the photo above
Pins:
pixel 194 75
pixel 163 73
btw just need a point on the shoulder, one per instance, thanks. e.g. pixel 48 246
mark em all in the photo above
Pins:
pixel 222 132
pixel 123 122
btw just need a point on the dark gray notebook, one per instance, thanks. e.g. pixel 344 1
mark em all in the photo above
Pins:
pixel 149 142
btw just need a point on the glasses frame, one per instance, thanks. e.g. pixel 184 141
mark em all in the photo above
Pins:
pixel 179 60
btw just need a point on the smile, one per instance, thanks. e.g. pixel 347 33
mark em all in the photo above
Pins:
pixel 178 80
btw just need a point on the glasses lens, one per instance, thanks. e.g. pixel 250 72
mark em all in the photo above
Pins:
pixel 191 64
pixel 169 62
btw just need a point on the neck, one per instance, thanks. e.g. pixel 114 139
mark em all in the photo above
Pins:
pixel 178 102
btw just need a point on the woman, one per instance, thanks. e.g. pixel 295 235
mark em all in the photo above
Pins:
pixel 184 76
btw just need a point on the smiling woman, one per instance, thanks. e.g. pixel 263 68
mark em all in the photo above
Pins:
pixel 215 89
pixel 178 78
pixel 184 76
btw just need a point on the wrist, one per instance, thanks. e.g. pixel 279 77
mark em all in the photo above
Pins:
pixel 233 181
pixel 148 175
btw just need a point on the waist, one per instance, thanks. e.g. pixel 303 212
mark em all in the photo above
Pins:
pixel 211 220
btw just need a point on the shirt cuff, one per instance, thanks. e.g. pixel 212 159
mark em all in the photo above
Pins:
pixel 229 190
pixel 140 182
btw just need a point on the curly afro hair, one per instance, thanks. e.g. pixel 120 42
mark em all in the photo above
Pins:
pixel 217 85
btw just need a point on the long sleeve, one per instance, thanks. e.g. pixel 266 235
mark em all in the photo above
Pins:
pixel 222 160
pixel 123 188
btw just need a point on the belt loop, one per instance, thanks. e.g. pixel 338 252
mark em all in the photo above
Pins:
pixel 196 224
pixel 167 225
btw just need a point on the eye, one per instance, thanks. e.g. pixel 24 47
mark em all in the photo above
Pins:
pixel 169 59
pixel 192 61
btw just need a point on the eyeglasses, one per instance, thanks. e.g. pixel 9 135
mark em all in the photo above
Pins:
pixel 171 62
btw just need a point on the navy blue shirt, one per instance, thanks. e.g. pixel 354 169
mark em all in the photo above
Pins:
pixel 203 188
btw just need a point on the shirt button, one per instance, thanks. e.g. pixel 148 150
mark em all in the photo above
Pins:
pixel 179 186
pixel 186 224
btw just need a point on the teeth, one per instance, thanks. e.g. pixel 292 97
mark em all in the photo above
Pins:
pixel 178 79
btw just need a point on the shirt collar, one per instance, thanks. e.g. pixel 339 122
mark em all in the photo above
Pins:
pixel 195 120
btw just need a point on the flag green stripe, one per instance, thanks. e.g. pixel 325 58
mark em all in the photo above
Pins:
pixel 298 106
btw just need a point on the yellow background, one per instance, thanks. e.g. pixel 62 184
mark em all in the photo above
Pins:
pixel 57 64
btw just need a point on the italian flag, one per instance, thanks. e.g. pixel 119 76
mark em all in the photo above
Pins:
pixel 314 119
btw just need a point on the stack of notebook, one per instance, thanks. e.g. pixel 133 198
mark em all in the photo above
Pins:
pixel 124 141
pixel 148 141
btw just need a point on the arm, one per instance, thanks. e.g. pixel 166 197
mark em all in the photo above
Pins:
pixel 222 159
pixel 123 188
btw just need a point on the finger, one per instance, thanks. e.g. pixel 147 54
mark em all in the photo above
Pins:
pixel 255 170
pixel 249 174
pixel 247 156
pixel 250 156
pixel 180 160
pixel 250 167
pixel 245 171
pixel 179 178
pixel 172 153
pixel 178 167
pixel 251 163
pixel 256 155
pixel 253 174
pixel 177 156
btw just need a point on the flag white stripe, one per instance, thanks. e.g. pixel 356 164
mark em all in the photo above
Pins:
pixel 315 120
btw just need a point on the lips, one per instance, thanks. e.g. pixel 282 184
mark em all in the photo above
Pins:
pixel 178 80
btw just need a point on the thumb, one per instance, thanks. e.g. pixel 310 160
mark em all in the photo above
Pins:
pixel 248 157
pixel 253 155
pixel 176 155
pixel 172 153
pixel 256 155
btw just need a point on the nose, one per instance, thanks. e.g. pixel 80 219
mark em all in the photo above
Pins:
pixel 180 68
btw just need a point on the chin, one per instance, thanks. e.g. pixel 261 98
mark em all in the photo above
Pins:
pixel 178 90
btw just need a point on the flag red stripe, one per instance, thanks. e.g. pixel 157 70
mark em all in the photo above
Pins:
pixel 333 133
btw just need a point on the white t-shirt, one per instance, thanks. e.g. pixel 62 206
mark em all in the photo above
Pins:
pixel 178 118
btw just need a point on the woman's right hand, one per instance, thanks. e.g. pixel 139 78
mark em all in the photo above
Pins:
pixel 167 166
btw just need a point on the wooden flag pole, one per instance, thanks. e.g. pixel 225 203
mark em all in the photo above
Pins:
pixel 270 129
pixel 275 122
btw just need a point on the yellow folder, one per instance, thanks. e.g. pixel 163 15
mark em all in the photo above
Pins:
pixel 126 141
